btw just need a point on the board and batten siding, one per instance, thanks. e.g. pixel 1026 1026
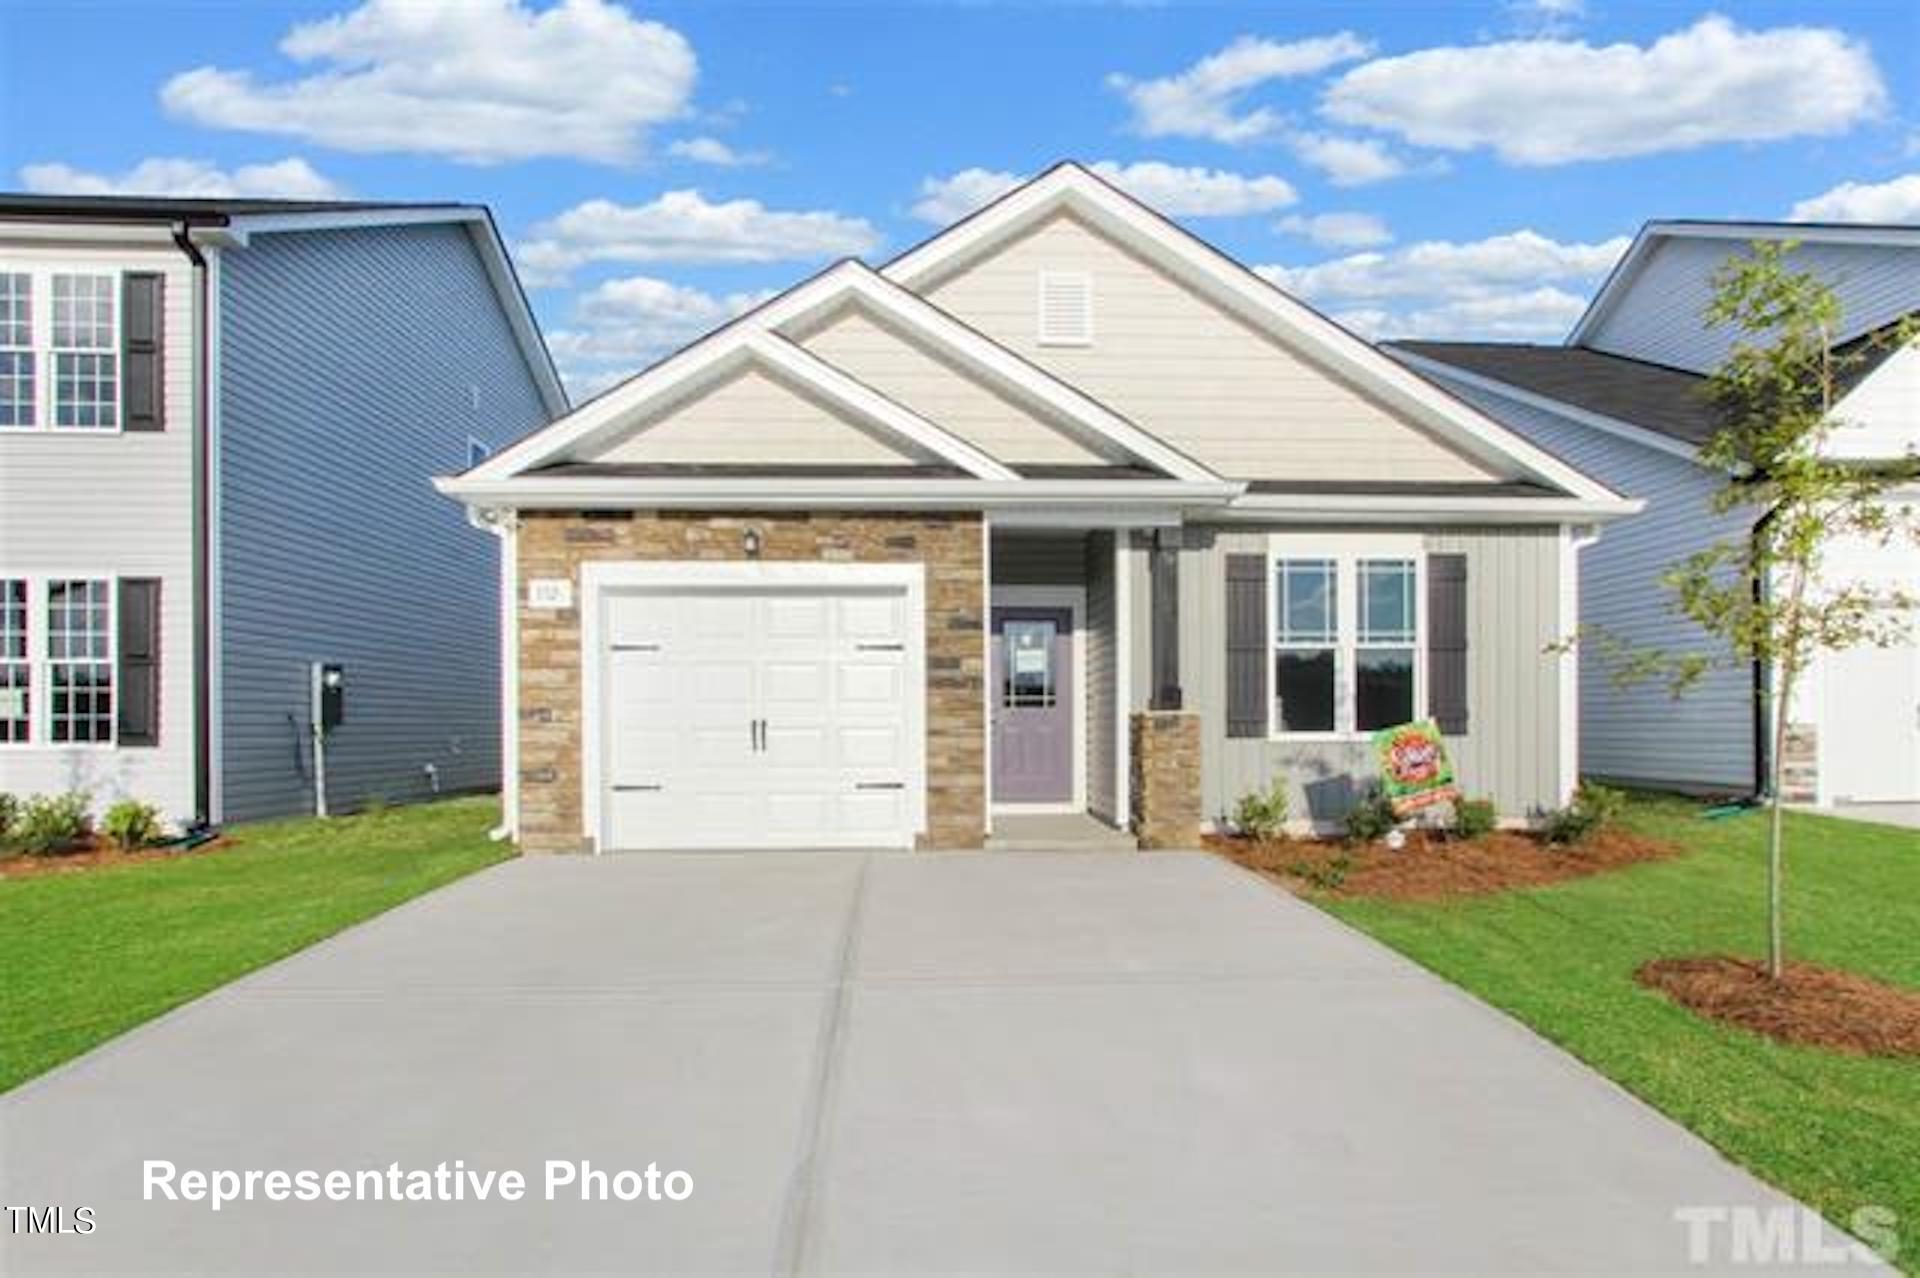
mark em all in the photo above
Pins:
pixel 1188 370
pixel 1511 749
pixel 1638 732
pixel 1102 662
pixel 1660 316
pixel 357 364
pixel 109 504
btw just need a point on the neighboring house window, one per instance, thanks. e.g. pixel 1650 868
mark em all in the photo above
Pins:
pixel 59 349
pixel 16 674
pixel 1346 634
pixel 86 374
pixel 1066 308
pixel 17 381
pixel 79 639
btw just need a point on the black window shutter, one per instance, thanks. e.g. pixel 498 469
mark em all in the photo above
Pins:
pixel 137 685
pixel 142 392
pixel 1447 642
pixel 1247 655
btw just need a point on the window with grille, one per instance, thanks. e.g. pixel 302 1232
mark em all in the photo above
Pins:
pixel 18 385
pixel 1346 634
pixel 86 373
pixel 16 670
pixel 79 637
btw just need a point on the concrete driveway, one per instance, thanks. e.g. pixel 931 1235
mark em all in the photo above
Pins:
pixel 890 1065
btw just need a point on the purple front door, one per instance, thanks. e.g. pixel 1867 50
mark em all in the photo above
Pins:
pixel 1033 705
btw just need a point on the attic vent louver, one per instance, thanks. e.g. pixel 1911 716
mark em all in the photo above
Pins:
pixel 1066 308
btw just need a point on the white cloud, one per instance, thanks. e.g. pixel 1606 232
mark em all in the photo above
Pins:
pixel 1347 161
pixel 715 152
pixel 623 325
pixel 479 81
pixel 1895 200
pixel 1506 286
pixel 1203 101
pixel 292 178
pixel 1555 101
pixel 1173 190
pixel 1339 230
pixel 683 226
pixel 1546 17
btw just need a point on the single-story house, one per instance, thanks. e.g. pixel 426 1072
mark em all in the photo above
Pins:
pixel 1062 510
pixel 1624 399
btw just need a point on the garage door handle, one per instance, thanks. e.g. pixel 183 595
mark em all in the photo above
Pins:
pixel 879 647
pixel 627 789
pixel 636 647
pixel 880 785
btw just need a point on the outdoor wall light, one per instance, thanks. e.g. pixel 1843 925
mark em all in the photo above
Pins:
pixel 750 542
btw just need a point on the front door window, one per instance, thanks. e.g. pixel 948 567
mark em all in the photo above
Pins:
pixel 1029 673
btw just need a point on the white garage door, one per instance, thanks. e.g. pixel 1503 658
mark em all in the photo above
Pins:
pixel 758 718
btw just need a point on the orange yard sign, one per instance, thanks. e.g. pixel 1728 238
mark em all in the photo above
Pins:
pixel 1413 765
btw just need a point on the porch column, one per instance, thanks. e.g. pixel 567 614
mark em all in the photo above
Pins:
pixel 1163 568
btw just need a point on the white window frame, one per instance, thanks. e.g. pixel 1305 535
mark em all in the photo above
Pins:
pixel 40 661
pixel 1346 551
pixel 43 350
pixel 1045 336
pixel 26 655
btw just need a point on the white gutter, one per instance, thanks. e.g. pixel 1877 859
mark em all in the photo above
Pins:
pixel 1363 508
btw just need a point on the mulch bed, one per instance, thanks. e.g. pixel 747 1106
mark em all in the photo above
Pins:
pixel 98 854
pixel 1432 867
pixel 1809 1006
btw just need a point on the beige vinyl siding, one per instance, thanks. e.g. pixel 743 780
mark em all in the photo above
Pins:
pixel 1189 371
pixel 1660 316
pixel 884 359
pixel 751 416
pixel 105 504
pixel 1511 749
pixel 1638 732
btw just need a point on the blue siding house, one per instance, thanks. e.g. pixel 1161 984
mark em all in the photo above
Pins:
pixel 246 493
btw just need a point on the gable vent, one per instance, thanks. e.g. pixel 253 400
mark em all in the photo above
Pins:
pixel 1066 308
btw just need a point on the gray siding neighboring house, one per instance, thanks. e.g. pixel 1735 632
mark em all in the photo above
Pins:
pixel 252 493
pixel 357 363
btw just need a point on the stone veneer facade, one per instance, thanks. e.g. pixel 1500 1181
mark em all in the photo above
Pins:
pixel 1166 778
pixel 555 544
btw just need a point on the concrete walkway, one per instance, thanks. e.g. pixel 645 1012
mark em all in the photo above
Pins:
pixel 890 1065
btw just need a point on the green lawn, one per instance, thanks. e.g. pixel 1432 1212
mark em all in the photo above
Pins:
pixel 90 954
pixel 1838 1132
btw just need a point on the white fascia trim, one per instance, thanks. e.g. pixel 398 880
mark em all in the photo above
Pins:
pixel 1366 508
pixel 1546 403
pixel 859 398
pixel 534 493
pixel 242 225
pixel 1234 285
pixel 855 280
pixel 143 234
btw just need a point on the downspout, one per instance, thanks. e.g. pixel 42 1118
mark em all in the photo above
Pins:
pixel 202 531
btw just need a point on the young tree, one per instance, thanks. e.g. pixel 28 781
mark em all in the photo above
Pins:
pixel 1763 595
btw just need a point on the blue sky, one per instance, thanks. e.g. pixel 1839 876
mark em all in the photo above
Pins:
pixel 1413 168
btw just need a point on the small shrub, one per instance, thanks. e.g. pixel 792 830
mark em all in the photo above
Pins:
pixel 51 823
pixel 1370 818
pixel 1474 818
pixel 9 814
pixel 1262 816
pixel 1326 875
pixel 1594 808
pixel 131 824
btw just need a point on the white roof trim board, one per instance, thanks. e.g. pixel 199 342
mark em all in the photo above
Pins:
pixel 1628 268
pixel 890 293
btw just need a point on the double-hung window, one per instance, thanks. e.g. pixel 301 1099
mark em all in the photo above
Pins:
pixel 1346 634
pixel 57 639
pixel 59 349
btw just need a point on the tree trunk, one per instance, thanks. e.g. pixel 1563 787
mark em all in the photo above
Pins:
pixel 1776 826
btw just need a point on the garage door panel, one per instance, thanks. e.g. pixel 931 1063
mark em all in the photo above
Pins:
pixel 826 672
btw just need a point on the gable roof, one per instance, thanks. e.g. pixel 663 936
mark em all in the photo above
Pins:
pixel 535 471
pixel 1634 260
pixel 1667 401
pixel 1072 187
pixel 231 223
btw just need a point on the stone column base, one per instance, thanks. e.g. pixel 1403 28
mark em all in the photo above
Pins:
pixel 1166 778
